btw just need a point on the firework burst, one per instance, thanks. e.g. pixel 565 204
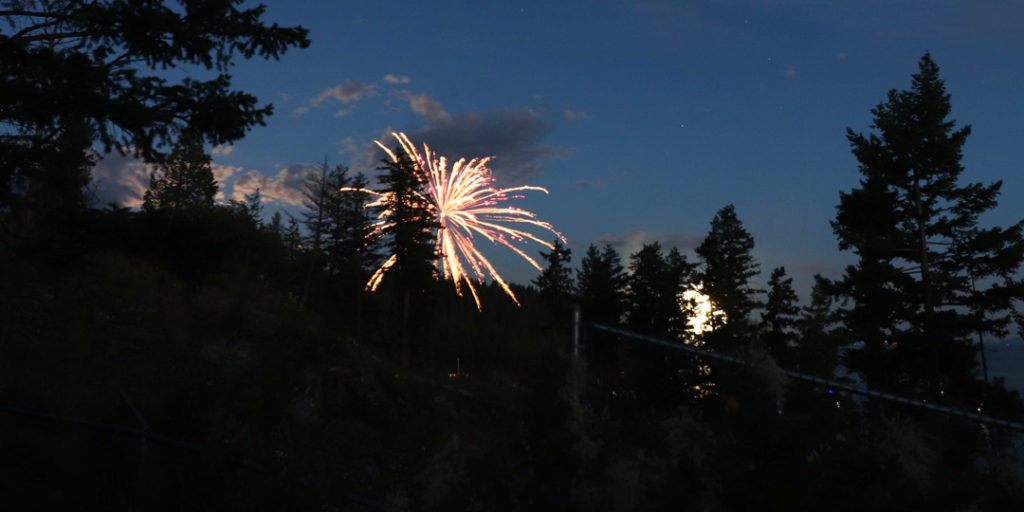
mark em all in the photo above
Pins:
pixel 467 204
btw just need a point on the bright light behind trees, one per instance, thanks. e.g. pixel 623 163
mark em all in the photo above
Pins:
pixel 701 312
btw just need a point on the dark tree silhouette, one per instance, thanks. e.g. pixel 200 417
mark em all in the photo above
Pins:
pixel 653 287
pixel 353 248
pixel 928 278
pixel 819 335
pixel 780 317
pixel 249 208
pixel 316 192
pixel 679 277
pixel 601 285
pixel 351 242
pixel 408 237
pixel 727 269
pixel 292 238
pixel 184 180
pixel 74 72
pixel 276 227
pixel 555 281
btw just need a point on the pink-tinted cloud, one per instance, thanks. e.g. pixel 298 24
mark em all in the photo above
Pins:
pixel 346 92
pixel 349 92
pixel 221 173
pixel 284 187
pixel 396 79
pixel 120 179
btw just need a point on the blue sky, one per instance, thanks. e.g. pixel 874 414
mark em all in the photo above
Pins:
pixel 642 118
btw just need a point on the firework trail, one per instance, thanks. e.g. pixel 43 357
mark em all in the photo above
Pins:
pixel 466 204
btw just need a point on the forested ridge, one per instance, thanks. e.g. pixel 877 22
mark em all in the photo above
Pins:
pixel 199 354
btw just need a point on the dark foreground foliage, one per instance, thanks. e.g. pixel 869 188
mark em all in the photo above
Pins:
pixel 252 402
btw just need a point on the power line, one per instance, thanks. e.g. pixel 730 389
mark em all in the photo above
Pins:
pixel 831 383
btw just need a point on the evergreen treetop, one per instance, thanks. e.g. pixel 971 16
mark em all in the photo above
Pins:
pixel 555 281
pixel 928 278
pixel 653 289
pixel 409 233
pixel 184 180
pixel 728 267
pixel 600 285
pixel 780 317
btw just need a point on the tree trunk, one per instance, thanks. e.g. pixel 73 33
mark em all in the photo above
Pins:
pixel 403 340
pixel 317 233
pixel 929 305
pixel 984 361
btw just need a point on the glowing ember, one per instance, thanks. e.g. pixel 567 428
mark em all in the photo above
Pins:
pixel 466 203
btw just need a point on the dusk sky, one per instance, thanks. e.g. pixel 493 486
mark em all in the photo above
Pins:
pixel 642 118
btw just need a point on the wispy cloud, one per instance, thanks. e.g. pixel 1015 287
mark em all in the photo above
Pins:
pixel 513 137
pixel 348 146
pixel 285 187
pixel 396 79
pixel 630 241
pixel 222 150
pixel 221 173
pixel 789 72
pixel 347 93
pixel 120 179
pixel 123 180
pixel 573 116
pixel 432 111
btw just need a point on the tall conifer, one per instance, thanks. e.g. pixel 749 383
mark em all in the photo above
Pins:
pixel 929 280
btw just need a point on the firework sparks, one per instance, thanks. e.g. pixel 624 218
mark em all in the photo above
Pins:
pixel 467 204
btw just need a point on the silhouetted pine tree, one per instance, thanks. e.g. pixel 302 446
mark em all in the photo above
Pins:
pixel 780 318
pixel 292 239
pixel 653 292
pixel 249 208
pixel 351 243
pixel 183 180
pixel 316 193
pixel 727 267
pixel 819 335
pixel 679 276
pixel 601 285
pixel 74 78
pixel 408 237
pixel 349 240
pixel 928 279
pixel 555 281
